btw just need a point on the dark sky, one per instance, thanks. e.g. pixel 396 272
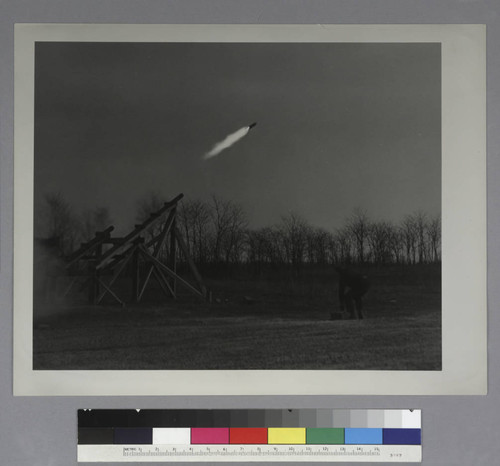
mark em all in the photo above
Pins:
pixel 340 126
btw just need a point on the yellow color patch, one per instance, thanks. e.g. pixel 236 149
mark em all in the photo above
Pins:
pixel 286 436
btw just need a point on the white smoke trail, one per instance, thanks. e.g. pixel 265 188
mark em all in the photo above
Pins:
pixel 228 142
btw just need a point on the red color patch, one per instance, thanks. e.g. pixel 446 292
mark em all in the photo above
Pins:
pixel 247 435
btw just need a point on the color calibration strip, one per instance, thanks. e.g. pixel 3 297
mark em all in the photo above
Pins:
pixel 302 435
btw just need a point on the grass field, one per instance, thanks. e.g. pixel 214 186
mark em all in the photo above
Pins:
pixel 280 323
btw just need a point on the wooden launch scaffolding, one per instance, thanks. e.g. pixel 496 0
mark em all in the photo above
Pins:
pixel 132 249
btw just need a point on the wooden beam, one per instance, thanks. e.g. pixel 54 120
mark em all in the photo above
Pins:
pixel 94 288
pixel 110 291
pixel 161 241
pixel 115 276
pixel 169 272
pixel 85 248
pixel 172 256
pixel 69 287
pixel 158 237
pixel 119 257
pixel 136 232
pixel 135 276
pixel 163 283
pixel 97 287
pixel 115 241
pixel 163 236
pixel 190 261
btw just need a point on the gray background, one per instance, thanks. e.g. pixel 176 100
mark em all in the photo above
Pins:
pixel 42 431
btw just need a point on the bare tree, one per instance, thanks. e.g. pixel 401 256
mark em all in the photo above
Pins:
pixel 229 225
pixel 379 239
pixel 420 225
pixel 344 244
pixel 62 224
pixel 274 245
pixel 150 203
pixel 409 238
pixel 295 231
pixel 255 247
pixel 318 241
pixel 234 242
pixel 333 249
pixel 146 206
pixel 194 223
pixel 94 220
pixel 358 226
pixel 396 244
pixel 434 238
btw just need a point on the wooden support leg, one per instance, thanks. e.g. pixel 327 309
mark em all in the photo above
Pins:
pixel 135 277
pixel 97 273
pixel 116 274
pixel 192 266
pixel 164 268
pixel 160 241
pixel 162 280
pixel 92 283
pixel 111 292
pixel 172 259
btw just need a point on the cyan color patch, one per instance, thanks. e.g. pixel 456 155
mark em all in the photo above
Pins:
pixel 360 436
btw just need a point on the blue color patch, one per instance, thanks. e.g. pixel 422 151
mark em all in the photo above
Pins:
pixel 402 436
pixel 358 436
pixel 133 436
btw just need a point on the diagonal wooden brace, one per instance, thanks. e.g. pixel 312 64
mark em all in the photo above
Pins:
pixel 170 273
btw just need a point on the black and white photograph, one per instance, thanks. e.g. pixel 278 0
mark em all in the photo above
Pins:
pixel 237 205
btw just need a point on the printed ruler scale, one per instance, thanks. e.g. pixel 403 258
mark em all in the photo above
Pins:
pixel 249 435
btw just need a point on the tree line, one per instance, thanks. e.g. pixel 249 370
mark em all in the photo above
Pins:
pixel 217 232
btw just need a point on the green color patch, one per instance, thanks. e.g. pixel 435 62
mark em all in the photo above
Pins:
pixel 327 436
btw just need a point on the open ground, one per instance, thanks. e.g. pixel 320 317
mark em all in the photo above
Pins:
pixel 254 322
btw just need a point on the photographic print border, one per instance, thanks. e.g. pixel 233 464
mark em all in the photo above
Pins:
pixel 463 222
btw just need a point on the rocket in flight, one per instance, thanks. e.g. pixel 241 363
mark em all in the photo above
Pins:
pixel 228 141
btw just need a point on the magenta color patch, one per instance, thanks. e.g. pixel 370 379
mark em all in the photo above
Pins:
pixel 209 435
